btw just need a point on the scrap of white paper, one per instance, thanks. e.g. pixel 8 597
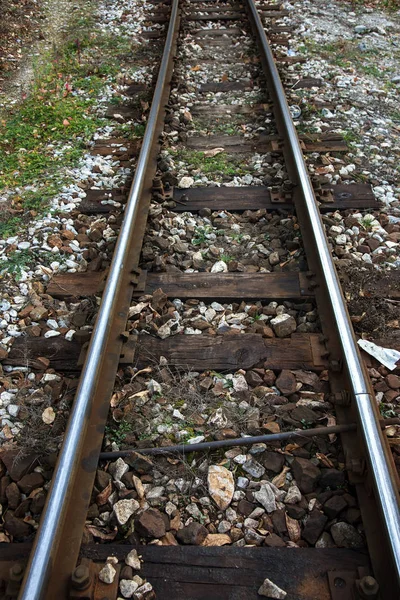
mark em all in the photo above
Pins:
pixel 388 357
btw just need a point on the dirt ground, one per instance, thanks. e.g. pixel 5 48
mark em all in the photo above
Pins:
pixel 20 27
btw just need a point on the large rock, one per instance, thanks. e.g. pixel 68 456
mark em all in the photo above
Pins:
pixel 194 534
pixel 124 509
pixel 286 383
pixel 334 506
pixel 30 482
pixel 332 478
pixel 284 325
pixel 266 497
pixel 346 536
pixel 221 485
pixel 16 527
pixel 140 463
pixel 273 461
pixel 314 526
pixel 306 474
pixel 150 524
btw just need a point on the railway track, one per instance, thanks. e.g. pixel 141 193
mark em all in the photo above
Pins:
pixel 282 355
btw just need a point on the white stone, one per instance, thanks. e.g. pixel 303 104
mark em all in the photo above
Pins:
pixel 13 410
pixel 293 495
pixel 128 587
pixel 118 468
pixel 219 267
pixel 124 509
pixel 107 573
pixel 221 485
pixel 133 560
pixel 270 590
pixel 51 333
pixel 186 182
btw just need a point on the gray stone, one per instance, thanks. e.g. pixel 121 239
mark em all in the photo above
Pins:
pixel 253 468
pixel 283 325
pixel 346 536
pixel 266 497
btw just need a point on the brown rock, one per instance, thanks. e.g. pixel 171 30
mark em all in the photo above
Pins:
pixel 272 461
pixel 393 381
pixel 16 527
pixel 54 241
pixel 194 534
pixel 13 496
pixel 306 474
pixel 18 467
pixel 150 524
pixel 253 378
pixel 142 464
pixel 314 526
pixel 269 377
pixel 245 507
pixel 373 243
pixel 30 482
pixel 334 506
pixel 286 383
pixel 274 541
pixel 38 313
pixel 303 414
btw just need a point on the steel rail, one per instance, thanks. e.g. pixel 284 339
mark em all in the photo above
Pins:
pixel 387 496
pixel 48 535
pixel 248 440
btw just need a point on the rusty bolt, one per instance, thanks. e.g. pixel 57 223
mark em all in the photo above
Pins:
pixel 16 573
pixel 341 398
pixel 335 366
pixel 80 579
pixel 368 587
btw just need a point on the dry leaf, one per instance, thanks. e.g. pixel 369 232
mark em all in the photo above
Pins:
pixel 4 538
pixel 146 370
pixel 65 122
pixel 116 399
pixel 293 527
pixel 188 115
pixel 102 533
pixel 196 68
pixel 6 431
pixel 325 460
pixel 290 447
pixel 48 415
pixel 331 423
pixel 224 77
pixel 217 539
pixel 280 479
pixel 138 487
pixel 134 310
pixel 213 152
pixel 104 495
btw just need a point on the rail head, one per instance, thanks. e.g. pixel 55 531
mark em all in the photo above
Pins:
pixel 47 541
pixel 386 492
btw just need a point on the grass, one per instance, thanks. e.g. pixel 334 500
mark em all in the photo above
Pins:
pixel 47 131
pixel 222 163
